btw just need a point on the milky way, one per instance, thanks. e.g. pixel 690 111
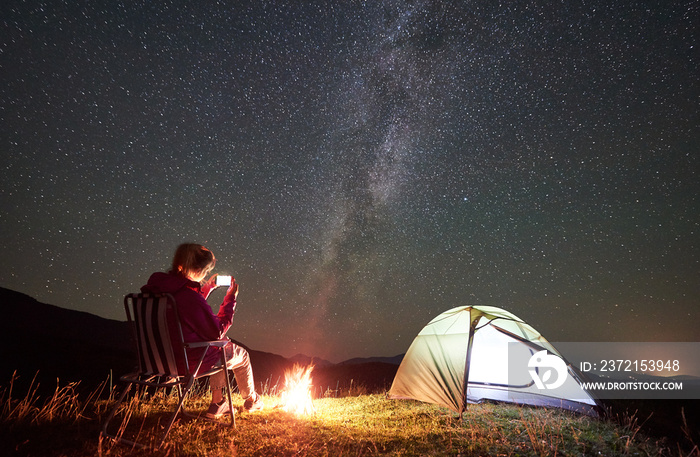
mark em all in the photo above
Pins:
pixel 360 167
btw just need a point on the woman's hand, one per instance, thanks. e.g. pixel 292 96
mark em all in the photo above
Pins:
pixel 232 291
pixel 208 286
pixel 210 283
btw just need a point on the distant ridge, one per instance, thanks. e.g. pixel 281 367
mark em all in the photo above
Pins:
pixel 302 359
pixel 395 360
pixel 60 343
pixel 76 346
pixel 25 317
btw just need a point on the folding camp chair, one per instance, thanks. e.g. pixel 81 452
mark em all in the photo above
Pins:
pixel 149 314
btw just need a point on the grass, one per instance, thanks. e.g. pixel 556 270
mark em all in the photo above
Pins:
pixel 68 424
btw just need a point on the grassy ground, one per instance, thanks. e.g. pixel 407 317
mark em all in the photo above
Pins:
pixel 68 425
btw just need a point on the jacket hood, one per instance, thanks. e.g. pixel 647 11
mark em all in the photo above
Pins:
pixel 168 283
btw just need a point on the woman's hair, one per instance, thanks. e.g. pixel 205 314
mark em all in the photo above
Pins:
pixel 192 260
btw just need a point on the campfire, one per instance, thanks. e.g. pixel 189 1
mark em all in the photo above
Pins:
pixel 296 396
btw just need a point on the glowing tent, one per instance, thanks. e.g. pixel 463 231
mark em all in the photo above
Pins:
pixel 495 355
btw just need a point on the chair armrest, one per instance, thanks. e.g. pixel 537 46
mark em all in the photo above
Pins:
pixel 199 344
pixel 207 344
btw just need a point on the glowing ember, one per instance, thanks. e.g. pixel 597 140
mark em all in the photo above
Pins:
pixel 296 397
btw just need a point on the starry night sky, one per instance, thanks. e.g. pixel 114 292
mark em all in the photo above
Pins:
pixel 360 167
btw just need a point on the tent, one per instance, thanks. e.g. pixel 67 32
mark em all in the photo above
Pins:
pixel 496 355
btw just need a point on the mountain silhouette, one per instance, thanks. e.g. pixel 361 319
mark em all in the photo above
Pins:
pixel 54 344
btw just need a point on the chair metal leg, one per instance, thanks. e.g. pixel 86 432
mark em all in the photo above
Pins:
pixel 112 413
pixel 228 391
pixel 183 395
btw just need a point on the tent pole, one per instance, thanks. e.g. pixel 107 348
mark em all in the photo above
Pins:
pixel 472 327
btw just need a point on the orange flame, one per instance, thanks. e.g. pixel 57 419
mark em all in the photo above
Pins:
pixel 296 397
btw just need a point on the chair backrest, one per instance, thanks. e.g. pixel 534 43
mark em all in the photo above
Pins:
pixel 150 315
